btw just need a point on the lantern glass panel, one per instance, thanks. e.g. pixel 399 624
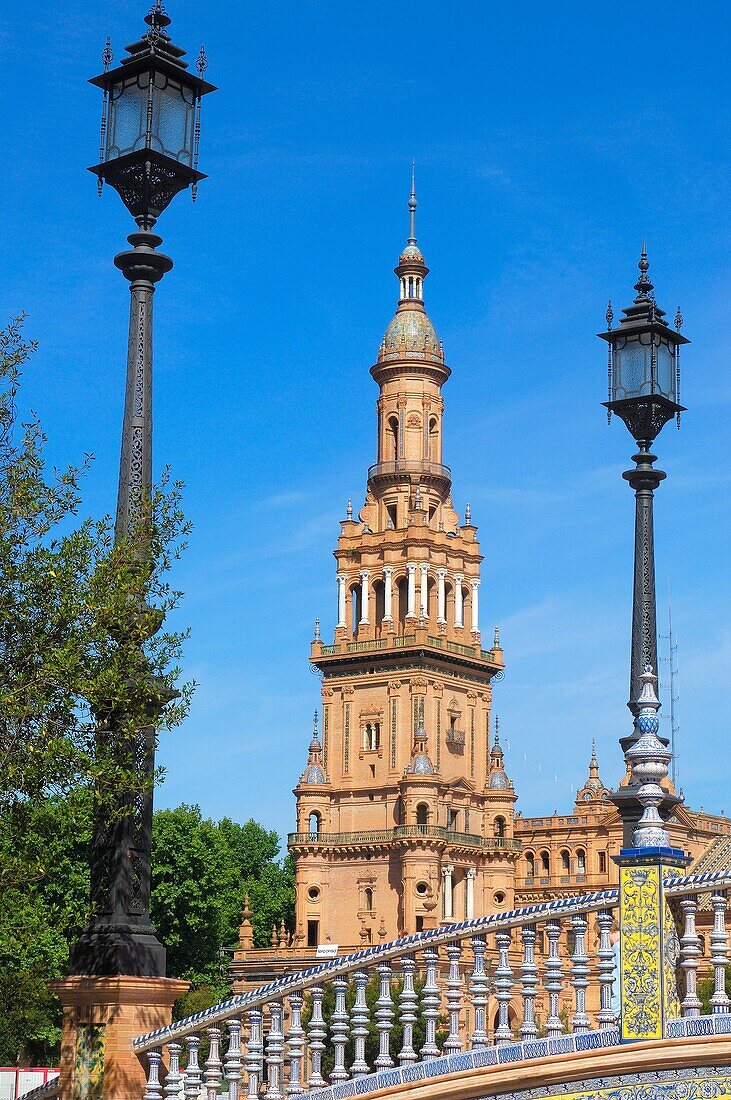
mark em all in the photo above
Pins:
pixel 665 369
pixel 173 119
pixel 127 116
pixel 632 368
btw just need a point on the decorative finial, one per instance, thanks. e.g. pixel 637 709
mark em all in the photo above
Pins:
pixel 315 720
pixel 496 738
pixel 678 320
pixel 412 206
pixel 648 759
pixel 202 61
pixel 317 631
pixel 107 54
pixel 349 509
pixel 417 499
pixel 468 514
pixel 609 315
pixel 643 286
pixel 496 638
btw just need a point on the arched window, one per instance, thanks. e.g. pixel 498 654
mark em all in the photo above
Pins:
pixel 434 439
pixel 315 822
pixel 355 608
pixel 499 826
pixel 565 863
pixel 545 863
pixel 530 865
pixel 402 591
pixel 368 898
pixel 392 452
pixel 422 814
pixel 372 736
pixel 580 861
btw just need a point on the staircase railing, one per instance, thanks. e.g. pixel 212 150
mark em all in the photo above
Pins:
pixel 540 970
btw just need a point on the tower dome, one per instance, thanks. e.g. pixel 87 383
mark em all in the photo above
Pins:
pixel 497 779
pixel 314 773
pixel 411 335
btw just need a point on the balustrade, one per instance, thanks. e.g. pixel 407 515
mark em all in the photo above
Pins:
pixel 490 980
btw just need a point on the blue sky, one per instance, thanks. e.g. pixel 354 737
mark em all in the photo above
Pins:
pixel 548 141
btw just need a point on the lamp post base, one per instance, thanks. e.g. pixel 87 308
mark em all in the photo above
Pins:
pixel 101 1017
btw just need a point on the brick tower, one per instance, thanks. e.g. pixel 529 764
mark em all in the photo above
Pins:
pixel 404 811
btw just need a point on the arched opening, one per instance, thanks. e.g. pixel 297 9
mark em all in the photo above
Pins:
pixel 545 864
pixel 392 439
pixel 530 865
pixel 368 898
pixel 580 861
pixel 449 602
pixel 565 863
pixel 466 606
pixel 372 736
pixel 431 599
pixel 379 599
pixel 499 826
pixel 402 594
pixel 355 609
pixel 422 814
pixel 315 822
pixel 433 441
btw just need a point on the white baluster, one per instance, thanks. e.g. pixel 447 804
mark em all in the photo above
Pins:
pixel 153 1091
pixel 214 1065
pixel 408 1004
pixel 316 1033
pixel 554 980
pixel 193 1081
pixel 529 981
pixel 296 1041
pixel 174 1079
pixel 453 984
pixel 359 1024
pixel 689 953
pixel 384 1018
pixel 254 1058
pixel 503 988
pixel 606 1017
pixel 719 954
pixel 478 993
pixel 579 974
pixel 339 1029
pixel 430 1003
pixel 232 1060
pixel 275 1052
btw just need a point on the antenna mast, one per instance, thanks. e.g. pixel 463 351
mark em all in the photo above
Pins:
pixel 672 663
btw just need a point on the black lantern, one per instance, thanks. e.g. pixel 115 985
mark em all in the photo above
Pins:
pixel 644 390
pixel 644 363
pixel 151 120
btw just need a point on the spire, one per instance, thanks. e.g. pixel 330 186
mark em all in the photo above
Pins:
pixel 643 286
pixel 420 763
pixel 497 778
pixel 412 207
pixel 314 773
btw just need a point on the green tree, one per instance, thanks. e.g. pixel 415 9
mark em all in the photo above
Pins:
pixel 201 870
pixel 80 636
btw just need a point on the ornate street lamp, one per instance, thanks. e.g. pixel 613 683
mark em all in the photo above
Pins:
pixel 149 152
pixel 644 391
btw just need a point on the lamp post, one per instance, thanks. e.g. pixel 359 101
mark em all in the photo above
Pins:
pixel 644 391
pixel 149 152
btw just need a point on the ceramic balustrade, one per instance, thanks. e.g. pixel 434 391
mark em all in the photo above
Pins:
pixel 536 972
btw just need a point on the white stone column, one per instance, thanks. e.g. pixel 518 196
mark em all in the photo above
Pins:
pixel 458 600
pixel 341 579
pixel 388 594
pixel 411 610
pixel 470 894
pixel 424 591
pixel 441 596
pixel 475 605
pixel 364 578
pixel 447 888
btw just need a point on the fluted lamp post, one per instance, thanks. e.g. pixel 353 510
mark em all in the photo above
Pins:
pixel 149 152
pixel 643 371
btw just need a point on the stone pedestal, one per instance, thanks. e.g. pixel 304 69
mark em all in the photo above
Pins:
pixel 649 944
pixel 101 1017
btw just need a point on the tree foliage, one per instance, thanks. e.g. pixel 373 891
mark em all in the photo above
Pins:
pixel 201 871
pixel 80 637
